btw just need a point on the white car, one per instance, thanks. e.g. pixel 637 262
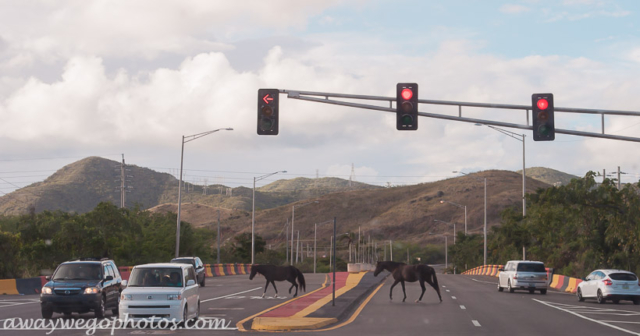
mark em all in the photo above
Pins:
pixel 160 292
pixel 523 274
pixel 610 284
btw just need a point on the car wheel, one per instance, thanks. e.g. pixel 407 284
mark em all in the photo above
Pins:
pixel 616 301
pixel 600 298
pixel 543 291
pixel 636 301
pixel 511 290
pixel 67 314
pixel 531 290
pixel 100 309
pixel 197 312
pixel 185 314
pixel 47 313
pixel 500 289
pixel 579 294
pixel 202 283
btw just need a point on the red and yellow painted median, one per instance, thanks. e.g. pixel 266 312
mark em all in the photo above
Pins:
pixel 296 314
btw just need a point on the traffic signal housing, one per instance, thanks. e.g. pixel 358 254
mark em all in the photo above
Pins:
pixel 542 112
pixel 407 106
pixel 268 111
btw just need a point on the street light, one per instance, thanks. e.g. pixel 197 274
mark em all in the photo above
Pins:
pixel 446 247
pixel 485 210
pixel 461 207
pixel 253 212
pixel 315 249
pixel 293 217
pixel 186 139
pixel 454 228
pixel 524 183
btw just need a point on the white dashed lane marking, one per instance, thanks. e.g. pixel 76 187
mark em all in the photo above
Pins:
pixel 453 297
pixel 462 307
pixel 475 323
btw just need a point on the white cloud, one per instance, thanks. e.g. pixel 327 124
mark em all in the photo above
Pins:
pixel 514 9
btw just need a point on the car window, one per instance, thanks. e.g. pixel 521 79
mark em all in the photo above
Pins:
pixel 531 267
pixel 116 273
pixel 111 273
pixel 192 274
pixel 600 276
pixel 78 272
pixel 156 277
pixel 623 276
pixel 198 262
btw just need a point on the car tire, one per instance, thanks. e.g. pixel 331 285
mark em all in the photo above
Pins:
pixel 500 289
pixel 197 312
pixel 531 291
pixel 511 290
pixel 185 314
pixel 202 283
pixel 47 313
pixel 636 301
pixel 600 298
pixel 616 301
pixel 100 309
pixel 67 314
pixel 116 311
pixel 579 294
pixel 543 291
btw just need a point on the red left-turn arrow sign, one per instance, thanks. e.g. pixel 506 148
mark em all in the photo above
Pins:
pixel 266 98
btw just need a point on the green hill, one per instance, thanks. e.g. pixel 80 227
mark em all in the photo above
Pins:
pixel 549 176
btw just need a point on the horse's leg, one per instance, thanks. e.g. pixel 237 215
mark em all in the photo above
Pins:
pixel 274 287
pixel 403 291
pixel 391 289
pixel 265 288
pixel 434 283
pixel 293 284
pixel 423 289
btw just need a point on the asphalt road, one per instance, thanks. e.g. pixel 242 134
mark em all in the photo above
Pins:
pixel 471 306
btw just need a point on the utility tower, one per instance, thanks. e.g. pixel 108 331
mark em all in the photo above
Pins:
pixel 124 178
pixel 352 177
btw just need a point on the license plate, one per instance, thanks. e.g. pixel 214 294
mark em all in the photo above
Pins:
pixel 625 286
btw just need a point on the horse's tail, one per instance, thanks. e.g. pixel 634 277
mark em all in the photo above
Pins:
pixel 300 277
pixel 435 282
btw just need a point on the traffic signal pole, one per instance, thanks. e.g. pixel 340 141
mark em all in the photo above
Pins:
pixel 315 97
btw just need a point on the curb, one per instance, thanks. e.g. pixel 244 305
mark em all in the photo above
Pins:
pixel 319 313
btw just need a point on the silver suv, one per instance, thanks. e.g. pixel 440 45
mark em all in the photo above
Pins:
pixel 523 274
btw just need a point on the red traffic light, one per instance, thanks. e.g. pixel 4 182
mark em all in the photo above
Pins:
pixel 543 104
pixel 406 94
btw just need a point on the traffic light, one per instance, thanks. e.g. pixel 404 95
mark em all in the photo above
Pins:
pixel 542 112
pixel 407 106
pixel 268 112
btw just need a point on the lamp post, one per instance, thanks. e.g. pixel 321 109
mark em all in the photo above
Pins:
pixel 454 228
pixel 517 137
pixel 485 210
pixel 293 218
pixel 253 212
pixel 446 248
pixel 186 139
pixel 461 207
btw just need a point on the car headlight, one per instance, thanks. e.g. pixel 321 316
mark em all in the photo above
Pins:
pixel 46 290
pixel 174 297
pixel 92 290
pixel 126 297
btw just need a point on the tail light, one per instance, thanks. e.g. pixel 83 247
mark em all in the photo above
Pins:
pixel 607 282
pixel 515 276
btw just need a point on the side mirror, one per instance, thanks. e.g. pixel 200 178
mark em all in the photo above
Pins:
pixel 108 278
pixel 200 267
pixel 48 278
pixel 191 283
pixel 501 269
pixel 124 283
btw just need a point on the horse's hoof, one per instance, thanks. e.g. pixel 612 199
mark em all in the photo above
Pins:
pixel 262 296
pixel 275 296
pixel 417 301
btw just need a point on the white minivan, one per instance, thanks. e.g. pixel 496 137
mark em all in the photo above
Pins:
pixel 523 274
pixel 160 292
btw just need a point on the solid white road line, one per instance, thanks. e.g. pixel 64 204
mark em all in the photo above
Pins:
pixel 222 297
pixel 476 323
pixel 586 318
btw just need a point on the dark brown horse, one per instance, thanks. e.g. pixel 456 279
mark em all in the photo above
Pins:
pixel 410 273
pixel 279 273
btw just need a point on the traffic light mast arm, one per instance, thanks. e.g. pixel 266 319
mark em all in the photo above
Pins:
pixel 303 95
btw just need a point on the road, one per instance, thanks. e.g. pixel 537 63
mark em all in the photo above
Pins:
pixel 471 306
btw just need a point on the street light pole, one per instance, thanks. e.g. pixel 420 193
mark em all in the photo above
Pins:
pixel 186 139
pixel 485 211
pixel 293 218
pixel 461 207
pixel 253 213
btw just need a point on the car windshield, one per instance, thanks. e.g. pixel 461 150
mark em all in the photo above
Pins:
pixel 531 267
pixel 623 276
pixel 156 277
pixel 78 272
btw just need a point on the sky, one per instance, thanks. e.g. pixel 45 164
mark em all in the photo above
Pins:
pixel 105 78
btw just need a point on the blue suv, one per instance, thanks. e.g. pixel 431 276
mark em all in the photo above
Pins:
pixel 81 286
